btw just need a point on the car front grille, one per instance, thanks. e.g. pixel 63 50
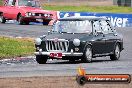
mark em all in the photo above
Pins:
pixel 42 14
pixel 60 45
pixel 39 14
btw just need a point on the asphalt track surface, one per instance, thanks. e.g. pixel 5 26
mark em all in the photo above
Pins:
pixel 27 66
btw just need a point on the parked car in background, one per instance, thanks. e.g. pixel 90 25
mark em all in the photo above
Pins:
pixel 25 11
pixel 79 38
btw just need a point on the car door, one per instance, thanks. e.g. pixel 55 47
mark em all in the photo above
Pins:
pixel 98 42
pixel 109 35
pixel 111 38
pixel 10 13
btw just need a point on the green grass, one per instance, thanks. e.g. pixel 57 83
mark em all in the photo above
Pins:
pixel 106 9
pixel 0 2
pixel 12 47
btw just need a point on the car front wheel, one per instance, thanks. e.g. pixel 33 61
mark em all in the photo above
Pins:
pixel 116 54
pixel 87 57
pixel 20 21
pixel 41 59
pixel 45 23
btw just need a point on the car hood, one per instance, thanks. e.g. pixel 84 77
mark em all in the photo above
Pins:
pixel 70 37
pixel 35 10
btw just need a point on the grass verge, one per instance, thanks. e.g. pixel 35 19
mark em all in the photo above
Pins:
pixel 0 2
pixel 106 9
pixel 13 47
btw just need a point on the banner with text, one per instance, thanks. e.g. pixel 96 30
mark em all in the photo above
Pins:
pixel 118 20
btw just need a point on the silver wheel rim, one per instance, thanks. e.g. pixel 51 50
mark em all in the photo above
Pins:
pixel 117 51
pixel 0 18
pixel 88 54
pixel 19 19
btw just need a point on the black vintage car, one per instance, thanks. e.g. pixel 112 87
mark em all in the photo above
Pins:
pixel 79 38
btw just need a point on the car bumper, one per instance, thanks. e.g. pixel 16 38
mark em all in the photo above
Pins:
pixel 33 18
pixel 63 54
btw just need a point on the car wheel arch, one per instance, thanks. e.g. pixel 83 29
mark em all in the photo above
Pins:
pixel 1 13
pixel 18 15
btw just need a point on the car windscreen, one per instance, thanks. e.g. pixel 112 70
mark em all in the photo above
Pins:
pixel 30 3
pixel 84 26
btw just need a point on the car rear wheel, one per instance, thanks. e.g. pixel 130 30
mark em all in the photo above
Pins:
pixel 116 54
pixel 87 57
pixel 2 19
pixel 41 59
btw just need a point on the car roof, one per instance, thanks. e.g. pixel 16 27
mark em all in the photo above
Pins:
pixel 77 18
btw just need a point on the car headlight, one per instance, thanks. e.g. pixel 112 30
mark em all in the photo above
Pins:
pixel 76 42
pixel 28 14
pixel 33 14
pixel 48 15
pixel 45 15
pixel 38 41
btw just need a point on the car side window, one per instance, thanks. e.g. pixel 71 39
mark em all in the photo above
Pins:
pixel 29 3
pixel 85 26
pixel 6 2
pixel 112 29
pixel 96 27
pixel 105 26
pixel 11 2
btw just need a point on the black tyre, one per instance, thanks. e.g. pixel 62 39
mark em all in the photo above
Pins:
pixel 27 23
pixel 41 59
pixel 19 20
pixel 87 57
pixel 45 22
pixel 116 54
pixel 2 19
pixel 81 80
